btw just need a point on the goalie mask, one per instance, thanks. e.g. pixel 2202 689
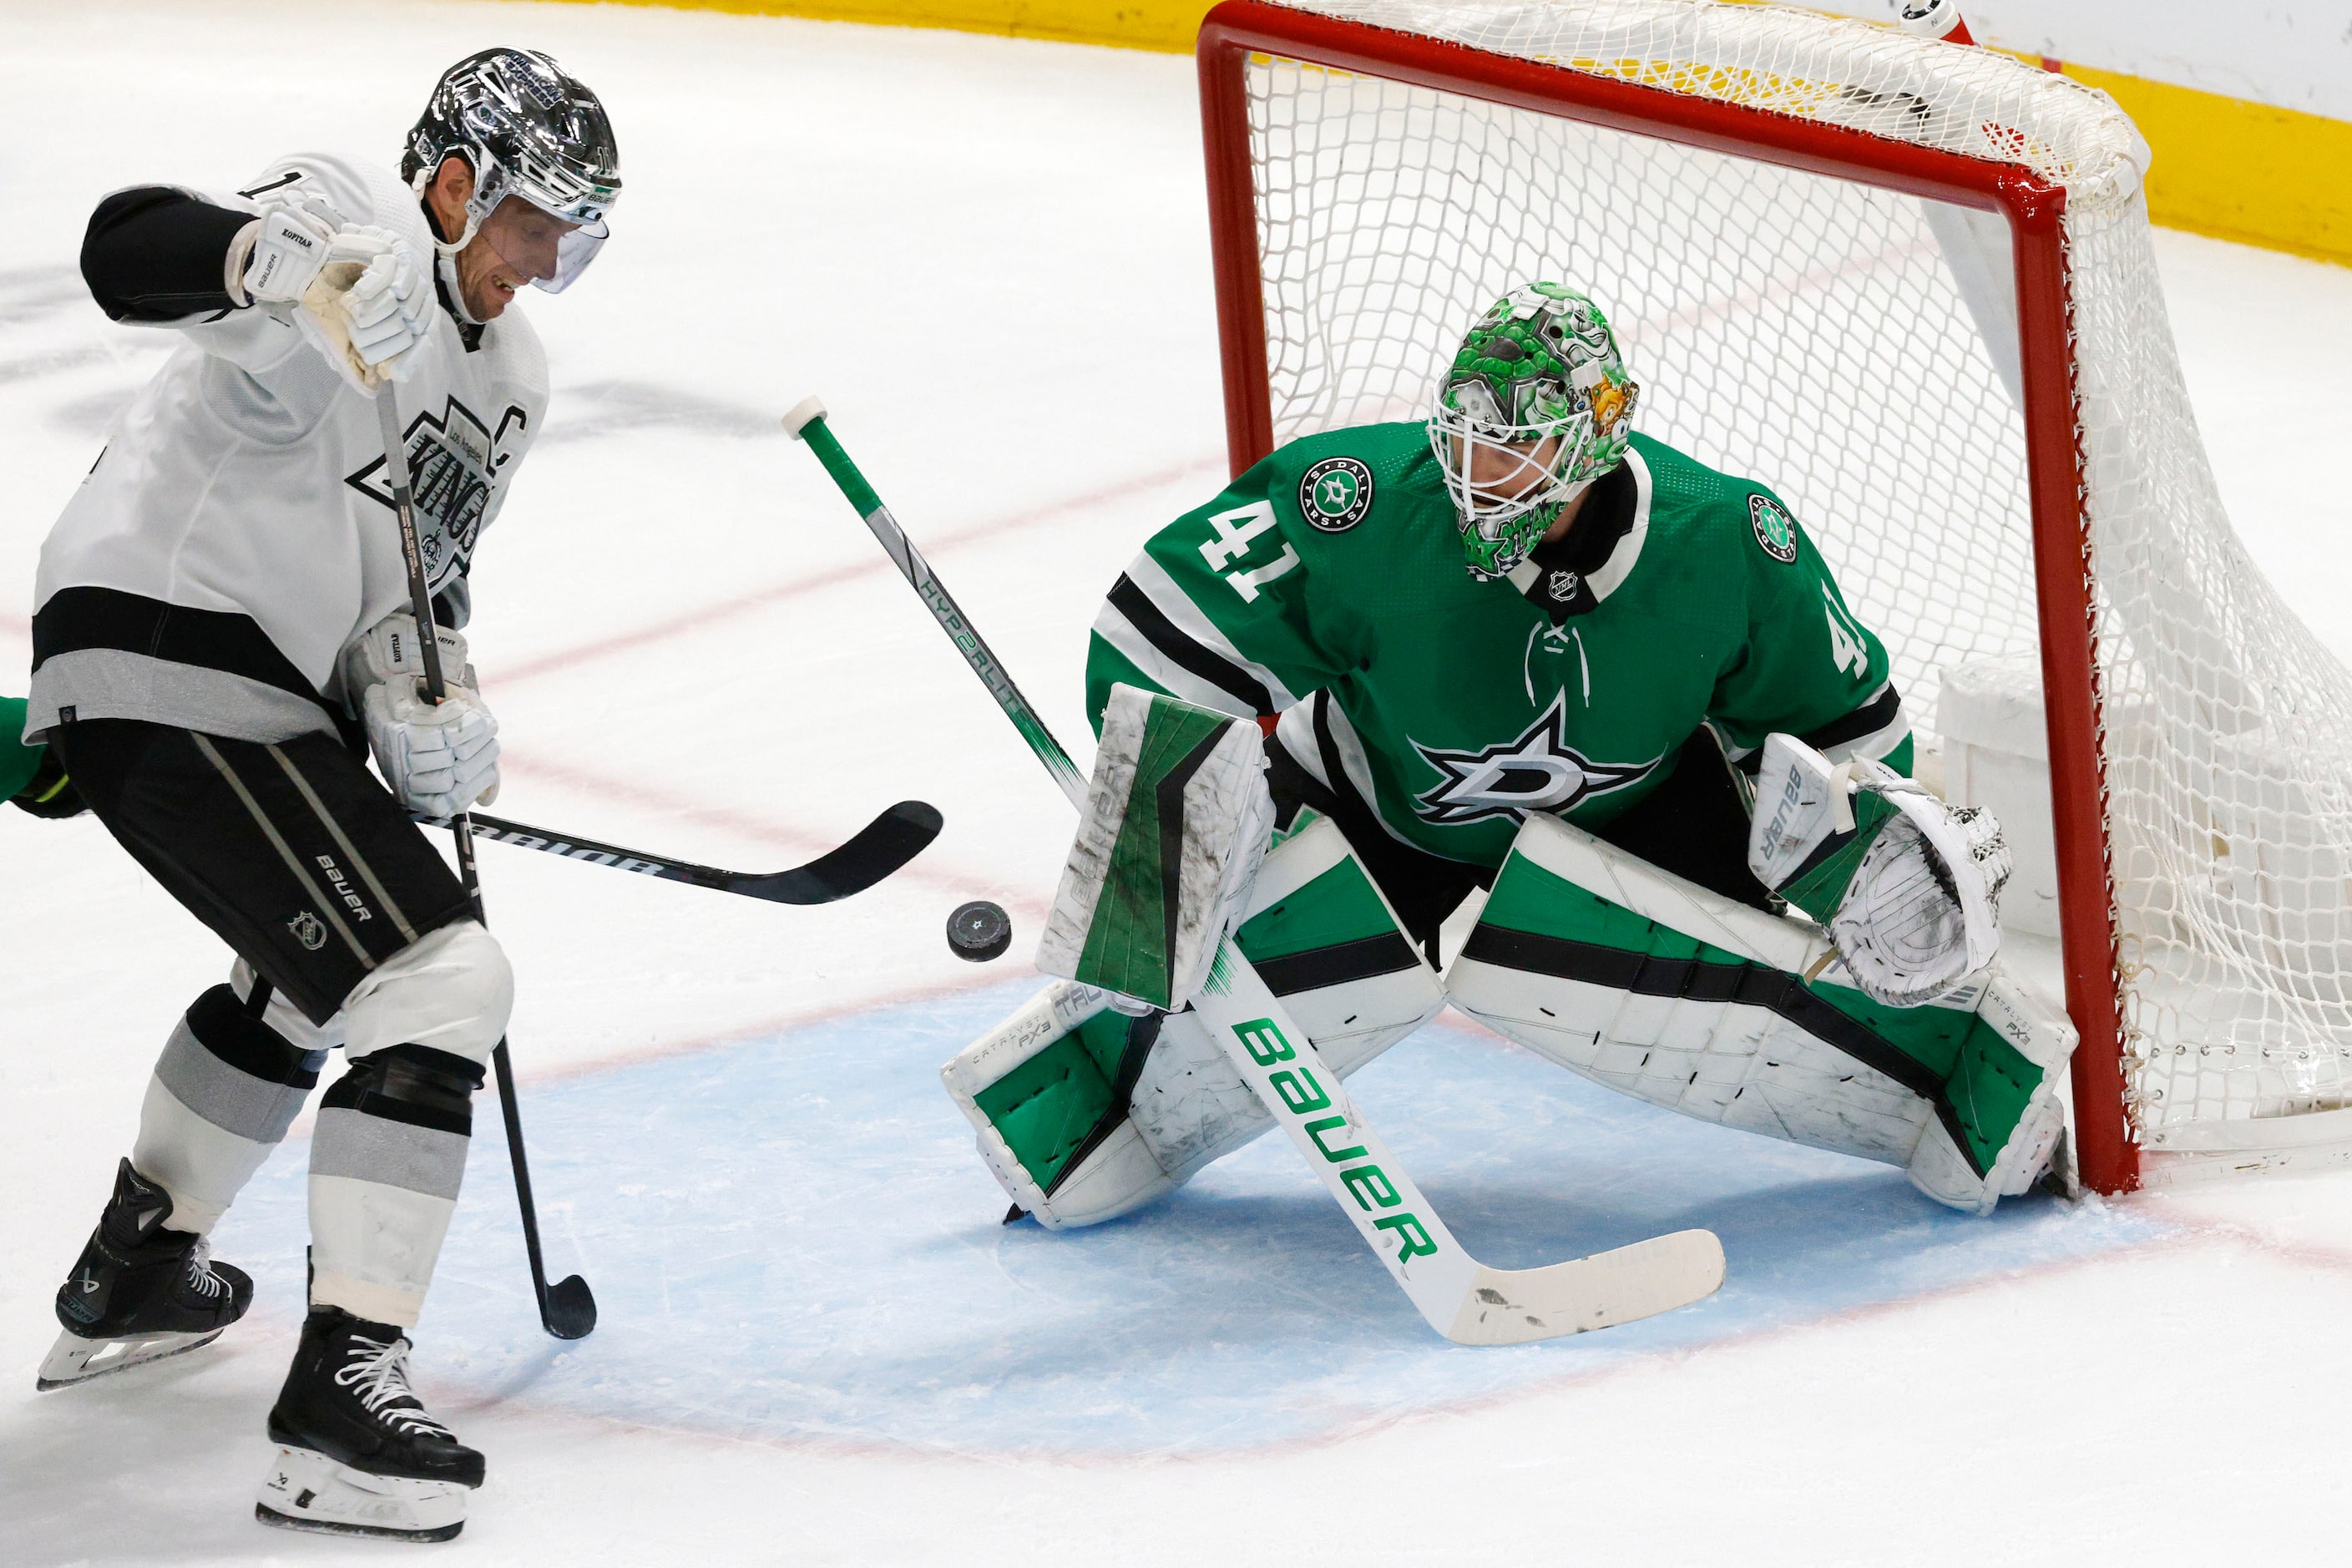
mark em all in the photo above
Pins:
pixel 531 129
pixel 1536 407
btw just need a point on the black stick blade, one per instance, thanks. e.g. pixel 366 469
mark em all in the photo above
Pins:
pixel 570 1311
pixel 881 846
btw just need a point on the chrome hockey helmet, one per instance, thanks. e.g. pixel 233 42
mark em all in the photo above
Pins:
pixel 526 127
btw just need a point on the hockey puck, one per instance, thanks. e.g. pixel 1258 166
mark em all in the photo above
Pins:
pixel 978 931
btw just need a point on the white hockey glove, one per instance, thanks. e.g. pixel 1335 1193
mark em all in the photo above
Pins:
pixel 438 759
pixel 288 246
pixel 1177 821
pixel 370 309
pixel 1909 887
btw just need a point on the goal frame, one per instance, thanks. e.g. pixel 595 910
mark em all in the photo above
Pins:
pixel 2106 1154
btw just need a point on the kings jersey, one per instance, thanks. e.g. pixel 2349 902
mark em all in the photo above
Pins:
pixel 1328 585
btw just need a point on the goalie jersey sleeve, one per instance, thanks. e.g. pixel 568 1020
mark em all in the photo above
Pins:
pixel 1221 609
pixel 1808 668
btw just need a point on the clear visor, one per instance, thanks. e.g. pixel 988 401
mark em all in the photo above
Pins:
pixel 1497 472
pixel 539 249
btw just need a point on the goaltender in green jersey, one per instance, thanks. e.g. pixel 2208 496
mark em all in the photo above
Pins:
pixel 1518 654
pixel 1597 660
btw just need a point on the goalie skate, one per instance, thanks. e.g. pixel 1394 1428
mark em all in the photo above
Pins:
pixel 305 1489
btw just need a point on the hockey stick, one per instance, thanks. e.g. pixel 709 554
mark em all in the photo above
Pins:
pixel 880 848
pixel 1459 1297
pixel 566 1309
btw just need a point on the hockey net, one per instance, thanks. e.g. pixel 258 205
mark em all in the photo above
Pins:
pixel 1858 349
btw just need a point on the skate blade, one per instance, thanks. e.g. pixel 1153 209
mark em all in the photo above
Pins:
pixel 307 1490
pixel 77 1360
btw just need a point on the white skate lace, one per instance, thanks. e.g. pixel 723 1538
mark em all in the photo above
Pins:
pixel 200 1269
pixel 381 1379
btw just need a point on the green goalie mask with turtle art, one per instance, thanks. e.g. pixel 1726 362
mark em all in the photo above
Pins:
pixel 1535 407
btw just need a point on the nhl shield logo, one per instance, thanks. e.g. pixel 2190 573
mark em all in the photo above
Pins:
pixel 1335 494
pixel 309 930
pixel 1775 531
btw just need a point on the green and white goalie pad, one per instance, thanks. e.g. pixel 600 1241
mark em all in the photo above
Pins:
pixel 1177 818
pixel 1083 1113
pixel 1676 995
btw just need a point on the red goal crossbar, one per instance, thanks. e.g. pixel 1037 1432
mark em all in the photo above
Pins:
pixel 2108 1159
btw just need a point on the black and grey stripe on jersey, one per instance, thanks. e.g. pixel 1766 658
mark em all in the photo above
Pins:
pixel 104 653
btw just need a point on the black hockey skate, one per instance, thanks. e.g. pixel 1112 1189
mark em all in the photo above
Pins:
pixel 140 1293
pixel 357 1453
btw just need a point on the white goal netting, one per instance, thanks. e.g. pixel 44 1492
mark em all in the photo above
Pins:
pixel 1849 346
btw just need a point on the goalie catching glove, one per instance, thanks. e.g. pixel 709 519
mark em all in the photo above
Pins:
pixel 1176 823
pixel 1908 887
pixel 439 758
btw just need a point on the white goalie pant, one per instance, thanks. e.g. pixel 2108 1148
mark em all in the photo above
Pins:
pixel 1664 991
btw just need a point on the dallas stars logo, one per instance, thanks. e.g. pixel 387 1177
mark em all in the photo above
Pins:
pixel 1534 771
pixel 1775 531
pixel 1335 494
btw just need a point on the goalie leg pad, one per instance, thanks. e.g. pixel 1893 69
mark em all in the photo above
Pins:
pixel 1675 995
pixel 1176 821
pixel 1045 1090
pixel 1084 1115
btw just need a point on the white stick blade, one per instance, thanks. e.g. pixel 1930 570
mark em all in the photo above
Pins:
pixel 1510 1307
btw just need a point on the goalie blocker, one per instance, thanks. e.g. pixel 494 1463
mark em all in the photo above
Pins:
pixel 1583 954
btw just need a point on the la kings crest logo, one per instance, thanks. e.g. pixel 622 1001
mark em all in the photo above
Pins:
pixel 455 463
pixel 1533 771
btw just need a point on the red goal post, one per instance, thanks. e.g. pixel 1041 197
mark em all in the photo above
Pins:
pixel 2033 209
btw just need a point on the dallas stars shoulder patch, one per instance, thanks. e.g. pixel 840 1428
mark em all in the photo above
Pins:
pixel 1775 531
pixel 1335 494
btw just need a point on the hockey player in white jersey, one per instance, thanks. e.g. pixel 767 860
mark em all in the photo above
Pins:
pixel 221 636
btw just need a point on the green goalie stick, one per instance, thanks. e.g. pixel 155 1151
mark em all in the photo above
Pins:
pixel 1460 1297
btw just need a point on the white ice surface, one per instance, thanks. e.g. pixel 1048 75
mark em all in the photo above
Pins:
pixel 989 257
